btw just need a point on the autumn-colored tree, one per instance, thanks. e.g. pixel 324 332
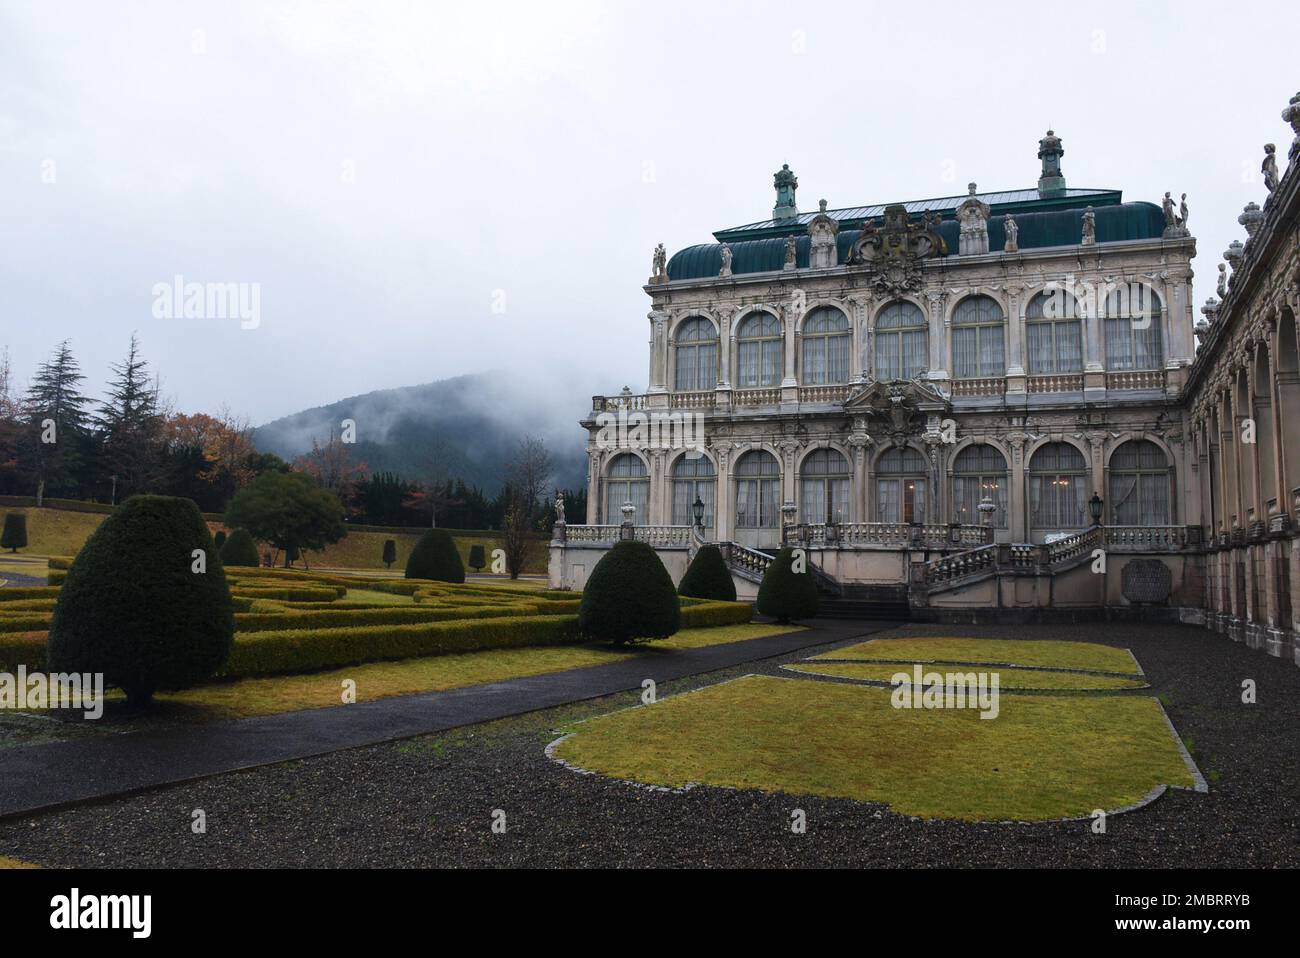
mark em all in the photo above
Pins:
pixel 332 466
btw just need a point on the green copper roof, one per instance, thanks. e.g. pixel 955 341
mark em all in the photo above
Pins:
pixel 1048 226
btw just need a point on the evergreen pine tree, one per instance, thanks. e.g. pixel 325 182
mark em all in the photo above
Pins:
pixel 58 424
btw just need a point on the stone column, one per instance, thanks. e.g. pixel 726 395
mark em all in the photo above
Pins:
pixel 723 521
pixel 1017 495
pixel 593 487
pixel 1094 373
pixel 938 336
pixel 658 351
pixel 1015 341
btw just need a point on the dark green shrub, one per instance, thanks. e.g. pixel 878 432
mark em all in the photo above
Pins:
pixel 787 595
pixel 219 539
pixel 629 596
pixel 240 550
pixel 705 615
pixel 435 557
pixel 390 553
pixel 477 560
pixel 708 577
pixel 133 608
pixel 14 536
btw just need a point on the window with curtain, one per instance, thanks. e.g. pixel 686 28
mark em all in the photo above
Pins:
pixel 696 354
pixel 825 345
pixel 758 491
pixel 759 351
pixel 625 481
pixel 1139 485
pixel 900 342
pixel 1132 316
pixel 1058 487
pixel 824 487
pixel 979 471
pixel 1054 334
pixel 692 478
pixel 978 338
pixel 901 486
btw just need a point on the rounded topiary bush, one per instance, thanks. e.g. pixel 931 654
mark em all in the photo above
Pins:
pixel 14 536
pixel 435 557
pixel 134 607
pixel 629 596
pixel 708 577
pixel 240 549
pixel 785 594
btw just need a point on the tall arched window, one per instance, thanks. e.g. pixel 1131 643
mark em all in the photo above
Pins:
pixel 1058 485
pixel 758 491
pixel 900 342
pixel 979 471
pixel 901 486
pixel 1054 334
pixel 824 487
pixel 825 344
pixel 1139 485
pixel 625 481
pixel 759 351
pixel 1132 313
pixel 978 338
pixel 696 355
pixel 692 478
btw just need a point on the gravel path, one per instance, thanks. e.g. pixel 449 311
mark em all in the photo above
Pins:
pixel 429 801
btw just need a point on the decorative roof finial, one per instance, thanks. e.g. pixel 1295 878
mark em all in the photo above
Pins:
pixel 785 183
pixel 1050 151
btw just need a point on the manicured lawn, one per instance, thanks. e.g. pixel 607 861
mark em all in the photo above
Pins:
pixel 58 532
pixel 1008 679
pixel 15 863
pixel 1043 757
pixel 1046 654
pixel 375 680
pixel 374 597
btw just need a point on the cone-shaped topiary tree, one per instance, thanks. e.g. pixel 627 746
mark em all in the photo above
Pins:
pixel 140 606
pixel 708 577
pixel 629 596
pixel 390 552
pixel 239 549
pixel 14 536
pixel 435 557
pixel 788 592
pixel 476 558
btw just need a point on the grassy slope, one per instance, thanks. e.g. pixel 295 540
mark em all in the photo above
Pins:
pixel 1049 654
pixel 1044 757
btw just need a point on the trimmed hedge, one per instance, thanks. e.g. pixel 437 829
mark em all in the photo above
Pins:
pixel 134 609
pixel 55 576
pixel 59 562
pixel 305 650
pixel 375 615
pixel 27 622
pixel 298 593
pixel 708 577
pixel 29 592
pixel 240 550
pixel 435 557
pixel 629 596
pixel 707 615
pixel 787 595
pixel 22 648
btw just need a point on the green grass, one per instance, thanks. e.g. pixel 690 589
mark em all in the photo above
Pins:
pixel 1008 679
pixel 375 680
pixel 1045 654
pixel 58 532
pixel 1043 757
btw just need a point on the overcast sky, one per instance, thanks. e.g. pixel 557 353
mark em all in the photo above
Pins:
pixel 393 175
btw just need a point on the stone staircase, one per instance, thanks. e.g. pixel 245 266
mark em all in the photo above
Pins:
pixel 838 600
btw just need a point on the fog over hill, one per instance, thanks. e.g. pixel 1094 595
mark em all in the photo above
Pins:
pixel 461 428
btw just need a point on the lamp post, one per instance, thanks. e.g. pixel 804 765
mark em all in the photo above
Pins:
pixel 697 509
pixel 986 509
pixel 1095 506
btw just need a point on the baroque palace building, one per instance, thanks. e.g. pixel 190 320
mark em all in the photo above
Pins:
pixel 992 401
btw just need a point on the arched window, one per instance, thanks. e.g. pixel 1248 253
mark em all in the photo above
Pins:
pixel 692 478
pixel 696 355
pixel 1132 314
pixel 901 486
pixel 824 487
pixel 978 331
pixel 900 342
pixel 1058 484
pixel 626 481
pixel 758 491
pixel 825 347
pixel 979 471
pixel 1054 334
pixel 1139 485
pixel 759 353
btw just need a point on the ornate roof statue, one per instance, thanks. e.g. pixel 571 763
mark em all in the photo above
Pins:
pixel 559 507
pixel 973 214
pixel 791 251
pixel 1222 288
pixel 822 230
pixel 1089 227
pixel 1013 234
pixel 1174 224
pixel 659 266
pixel 893 254
pixel 1269 167
pixel 785 183
pixel 726 261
